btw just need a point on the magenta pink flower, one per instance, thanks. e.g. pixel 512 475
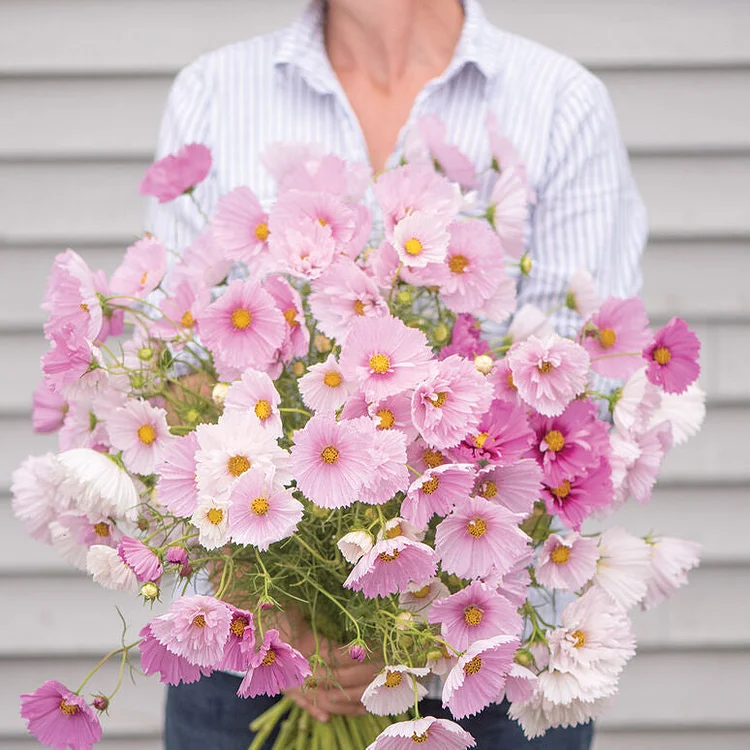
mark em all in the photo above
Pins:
pixel 176 488
pixel 474 613
pixel 390 566
pixel 621 329
pixel 574 499
pixel 261 513
pixel 516 486
pixel 436 492
pixel 479 676
pixel 240 225
pixel 548 373
pixel 449 403
pixel 297 339
pixel 276 666
pixel 479 537
pixel 141 559
pixel 196 628
pixel 240 648
pixel 502 436
pixel 509 209
pixel 59 718
pixel 177 555
pixel 570 444
pixel 243 328
pixel 49 409
pixel 385 356
pixel 171 668
pixel 568 562
pixel 255 394
pixel 343 295
pixel 141 272
pixel 178 173
pixel 673 357
pixel 323 387
pixel 466 339
pixel 329 461
pixel 430 733
pixel 419 240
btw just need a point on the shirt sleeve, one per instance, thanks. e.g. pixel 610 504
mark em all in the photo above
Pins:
pixel 186 119
pixel 588 212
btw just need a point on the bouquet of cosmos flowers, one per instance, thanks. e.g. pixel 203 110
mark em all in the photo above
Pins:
pixel 307 419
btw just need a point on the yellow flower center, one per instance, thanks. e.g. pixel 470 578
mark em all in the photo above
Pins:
pixel 290 315
pixel 262 410
pixel 261 232
pixel 199 621
pixel 332 379
pixel 421 593
pixel 215 516
pixel 83 306
pixel 488 490
pixel 269 658
pixel 329 454
pixel 379 363
pixel 439 399
pixel 662 355
pixel 481 439
pixel 394 531
pixel 433 458
pixel 473 666
pixel 392 679
pixel 413 246
pixel 511 383
pixel 430 485
pixel 545 367
pixel 473 616
pixel 560 554
pixel 101 529
pixel 69 709
pixel 386 558
pixel 187 320
pixel 146 434
pixel 458 263
pixel 579 638
pixel 260 506
pixel 555 440
pixel 419 738
pixel 562 491
pixel 387 420
pixel 322 222
pixel 607 338
pixel 241 318
pixel 144 278
pixel 239 623
pixel 477 527
pixel 238 465
pixel 359 307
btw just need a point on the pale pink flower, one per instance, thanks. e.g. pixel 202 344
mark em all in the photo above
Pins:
pixel 529 320
pixel 479 537
pixel 354 544
pixel 71 366
pixel 636 402
pixel 255 395
pixel 388 473
pixel 282 159
pixel 240 225
pixel 419 240
pixel 430 734
pixel 504 154
pixel 211 518
pixel 623 568
pixel 315 172
pixel 172 669
pixel 520 684
pixel 306 249
pixel 509 209
pixel 73 533
pixel 141 559
pixel 49 409
pixel 418 597
pixel 423 456
pixel 549 373
pixel 141 271
pixel 436 492
pixel 670 560
pixel 672 357
pixel 516 486
pixel 261 513
pixel 108 569
pixel 479 675
pixel 178 556
pixel 450 402
pixel 176 487
pixel 684 412
pixel 393 413
pixel 583 296
pixel 203 263
pixel 276 666
pixel 141 432
pixel 394 690
pixel 502 303
pixel 180 312
pixel 177 173
pixel 567 562
pixel 502 381
pixel 323 387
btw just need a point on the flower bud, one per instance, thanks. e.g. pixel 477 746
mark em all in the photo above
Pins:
pixel 404 620
pixel 265 605
pixel 137 380
pixel 145 353
pixel 179 556
pixel 357 652
pixel 298 368
pixel 440 333
pixel 219 393
pixel 404 297
pixel 526 265
pixel 100 702
pixel 484 363
pixel 192 416
pixel 150 591
pixel 322 343
pixel 523 657
pixel 434 654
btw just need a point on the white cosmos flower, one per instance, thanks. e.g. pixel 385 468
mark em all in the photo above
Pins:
pixel 529 321
pixel 685 412
pixel 671 559
pixel 354 544
pixel 392 691
pixel 638 400
pixel 623 567
pixel 107 569
pixel 211 518
pixel 583 293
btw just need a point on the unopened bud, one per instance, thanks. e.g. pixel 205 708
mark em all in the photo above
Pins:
pixel 137 380
pixel 150 591
pixel 219 393
pixel 298 368
pixel 357 652
pixel 322 343
pixel 440 333
pixel 523 657
pixel 404 297
pixel 434 654
pixel 484 363
pixel 192 416
pixel 100 702
pixel 265 605
pixel 404 620
pixel 145 354
pixel 526 265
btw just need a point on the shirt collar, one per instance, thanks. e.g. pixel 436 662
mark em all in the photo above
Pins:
pixel 302 46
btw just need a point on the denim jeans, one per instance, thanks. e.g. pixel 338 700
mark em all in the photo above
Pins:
pixel 208 715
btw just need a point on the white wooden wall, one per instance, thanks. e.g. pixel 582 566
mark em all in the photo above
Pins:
pixel 82 84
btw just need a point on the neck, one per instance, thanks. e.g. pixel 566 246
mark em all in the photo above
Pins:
pixel 387 40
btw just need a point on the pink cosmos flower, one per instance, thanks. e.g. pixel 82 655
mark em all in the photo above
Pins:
pixel 520 684
pixel 171 668
pixel 423 456
pixel 479 675
pixel 502 381
pixel 83 428
pixel 240 648
pixel 260 513
pixel 178 556
pixel 623 567
pixel 621 328
pixel 466 339
pixel 354 544
pixel 297 340
pixel 643 464
pixel 203 263
pixel 548 373
pixel 448 159
pixel 449 403
pixel 568 562
pixel 420 240
pixel 419 596
pixel 49 409
pixel 59 718
pixel 342 295
pixel 108 569
pixel 142 270
pixel 479 537
pixel 243 328
pixel 178 173
pixel 196 628
pixel 582 296
pixel 636 403
pixel 276 666
pixel 575 498
pixel 176 485
pixel 570 444
pixel 684 412
pixel 306 250
pixel 509 209
pixel 385 356
pixel 529 320
pixel 504 154
pixel 141 559
pixel 323 387
pixel 436 492
pixel 328 174
pixel 673 357
pixel 671 559
pixel 71 297
pixel 474 613
pixel 70 367
pixel 141 432
pixel 388 473
pixel 393 413
pixel 394 690
pixel 73 533
pixel 329 461
pixel 181 311
pixel 502 436
pixel 430 733
pixel 283 159
pixel 501 305
pixel 113 319
pixel 515 486
pixel 240 225
pixel 390 566
pixel 255 395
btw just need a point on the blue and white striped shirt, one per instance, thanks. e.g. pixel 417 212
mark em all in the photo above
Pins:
pixel 281 87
